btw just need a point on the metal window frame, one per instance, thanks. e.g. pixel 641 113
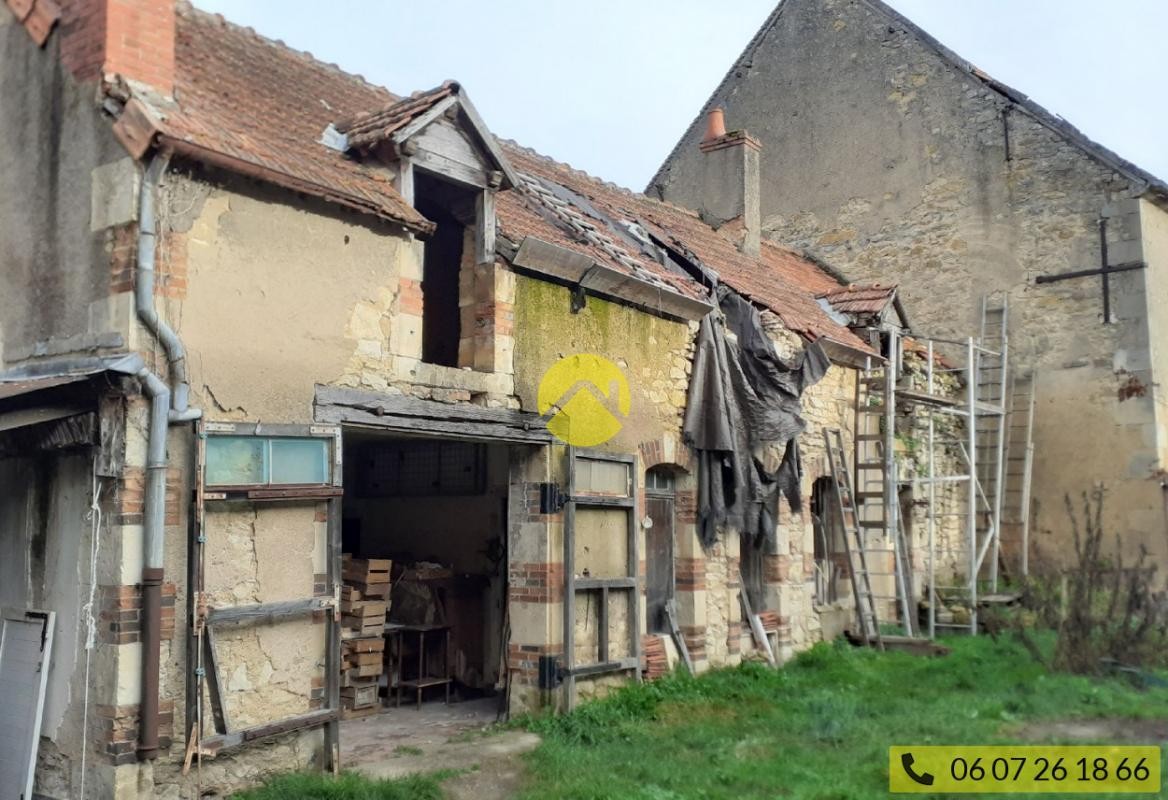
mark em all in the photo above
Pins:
pixel 202 655
pixel 630 582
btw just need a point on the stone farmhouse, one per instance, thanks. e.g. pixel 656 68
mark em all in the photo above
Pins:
pixel 898 162
pixel 266 328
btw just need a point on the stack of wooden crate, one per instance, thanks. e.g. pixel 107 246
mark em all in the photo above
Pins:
pixel 364 603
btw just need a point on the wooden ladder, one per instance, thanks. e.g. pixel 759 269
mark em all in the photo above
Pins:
pixel 854 540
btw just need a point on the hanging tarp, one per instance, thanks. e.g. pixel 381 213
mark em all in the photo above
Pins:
pixel 744 400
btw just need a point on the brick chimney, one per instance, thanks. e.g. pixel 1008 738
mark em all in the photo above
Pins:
pixel 130 38
pixel 728 180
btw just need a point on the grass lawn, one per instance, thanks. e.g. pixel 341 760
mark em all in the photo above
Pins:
pixel 819 728
pixel 349 786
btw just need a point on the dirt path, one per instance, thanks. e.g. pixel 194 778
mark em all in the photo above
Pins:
pixel 459 737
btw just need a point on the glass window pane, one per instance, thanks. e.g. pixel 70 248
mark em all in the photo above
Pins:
pixel 235 460
pixel 594 476
pixel 299 461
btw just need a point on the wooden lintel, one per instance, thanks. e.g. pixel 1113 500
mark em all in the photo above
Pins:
pixel 267 612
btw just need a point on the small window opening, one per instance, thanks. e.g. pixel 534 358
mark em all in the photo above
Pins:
pixel 452 209
pixel 828 533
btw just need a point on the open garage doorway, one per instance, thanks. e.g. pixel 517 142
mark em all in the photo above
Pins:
pixel 424 534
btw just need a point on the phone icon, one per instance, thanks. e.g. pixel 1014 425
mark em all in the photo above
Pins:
pixel 906 761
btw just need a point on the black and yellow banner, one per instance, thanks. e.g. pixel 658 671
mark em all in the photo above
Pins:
pixel 1061 769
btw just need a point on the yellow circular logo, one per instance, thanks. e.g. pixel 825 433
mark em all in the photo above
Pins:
pixel 579 394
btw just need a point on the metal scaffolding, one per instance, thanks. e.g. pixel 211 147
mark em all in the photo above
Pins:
pixel 938 427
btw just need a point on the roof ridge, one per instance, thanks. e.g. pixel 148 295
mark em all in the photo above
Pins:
pixel 1049 119
pixel 185 7
pixel 588 176
pixel 746 53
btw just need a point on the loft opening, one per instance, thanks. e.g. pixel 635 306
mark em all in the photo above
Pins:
pixel 452 208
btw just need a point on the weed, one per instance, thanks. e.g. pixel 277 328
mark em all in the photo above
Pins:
pixel 818 728
pixel 347 786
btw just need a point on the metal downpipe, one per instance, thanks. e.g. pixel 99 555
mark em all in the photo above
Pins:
pixel 154 518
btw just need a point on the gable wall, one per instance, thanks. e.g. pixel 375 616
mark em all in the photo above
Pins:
pixel 58 292
pixel 889 164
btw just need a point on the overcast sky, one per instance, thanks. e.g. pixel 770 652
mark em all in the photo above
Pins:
pixel 610 85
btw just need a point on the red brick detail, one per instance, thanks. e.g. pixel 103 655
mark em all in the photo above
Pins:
pixel 695 641
pixel 653 454
pixel 776 569
pixel 122 246
pixel 536 583
pixel 734 637
pixel 172 266
pixel 133 38
pixel 689 574
pixel 174 496
pixel 410 296
pixel 120 618
pixel 523 660
pixel 531 505
pixel 119 730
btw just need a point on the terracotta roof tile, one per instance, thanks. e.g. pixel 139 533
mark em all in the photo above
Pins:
pixel 257 101
pixel 856 299
pixel 369 128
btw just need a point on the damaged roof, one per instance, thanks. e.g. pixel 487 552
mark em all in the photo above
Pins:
pixel 637 231
pixel 855 299
pixel 373 126
pixel 250 104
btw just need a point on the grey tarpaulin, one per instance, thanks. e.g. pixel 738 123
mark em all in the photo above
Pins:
pixel 743 399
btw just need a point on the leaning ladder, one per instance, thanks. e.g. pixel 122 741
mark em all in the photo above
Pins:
pixel 854 539
pixel 877 484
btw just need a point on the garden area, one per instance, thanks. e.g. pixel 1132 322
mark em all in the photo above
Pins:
pixel 819 728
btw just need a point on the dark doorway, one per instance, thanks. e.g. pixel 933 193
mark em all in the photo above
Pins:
pixel 660 501
pixel 451 208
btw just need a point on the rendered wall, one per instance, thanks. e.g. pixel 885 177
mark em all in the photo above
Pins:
pixel 55 264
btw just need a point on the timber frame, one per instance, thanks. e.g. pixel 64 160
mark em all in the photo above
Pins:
pixel 630 582
pixel 203 665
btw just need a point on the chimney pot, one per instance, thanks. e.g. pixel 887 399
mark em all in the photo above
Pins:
pixel 715 125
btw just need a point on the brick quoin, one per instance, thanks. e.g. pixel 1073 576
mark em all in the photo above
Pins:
pixel 131 38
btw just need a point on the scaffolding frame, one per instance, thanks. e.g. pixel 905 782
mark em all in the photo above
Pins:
pixel 964 442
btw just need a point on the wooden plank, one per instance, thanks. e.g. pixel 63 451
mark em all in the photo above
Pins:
pixel 485 227
pixel 756 629
pixel 332 656
pixel 267 612
pixel 605 583
pixel 411 415
pixel 486 139
pixel 445 139
pixel 675 633
pixel 450 169
pixel 219 714
pixel 569 581
pixel 229 741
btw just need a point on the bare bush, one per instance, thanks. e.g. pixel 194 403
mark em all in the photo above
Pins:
pixel 1108 615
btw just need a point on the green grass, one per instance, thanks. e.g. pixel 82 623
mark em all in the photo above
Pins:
pixel 349 786
pixel 819 728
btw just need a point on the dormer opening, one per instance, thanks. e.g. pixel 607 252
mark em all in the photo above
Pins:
pixel 448 252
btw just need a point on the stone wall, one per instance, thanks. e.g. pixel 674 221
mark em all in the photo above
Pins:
pixel 890 164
